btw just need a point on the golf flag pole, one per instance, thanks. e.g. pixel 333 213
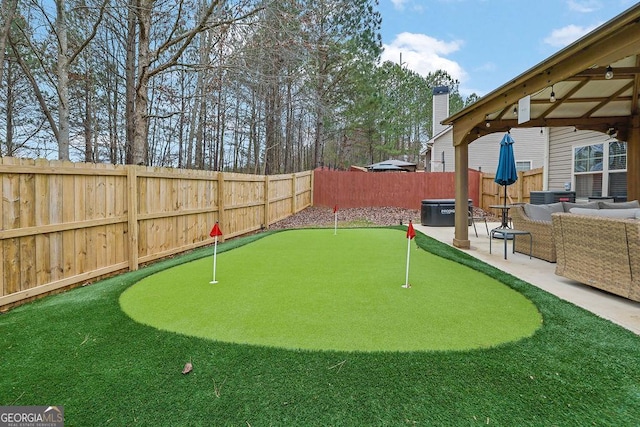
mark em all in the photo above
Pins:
pixel 335 220
pixel 411 233
pixel 215 232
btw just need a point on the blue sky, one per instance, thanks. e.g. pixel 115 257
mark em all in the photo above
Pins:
pixel 486 43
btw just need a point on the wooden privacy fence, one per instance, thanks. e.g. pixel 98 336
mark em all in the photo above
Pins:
pixel 518 192
pixel 63 224
pixel 407 190
pixel 399 189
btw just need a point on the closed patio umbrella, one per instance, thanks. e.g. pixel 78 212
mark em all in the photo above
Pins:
pixel 506 173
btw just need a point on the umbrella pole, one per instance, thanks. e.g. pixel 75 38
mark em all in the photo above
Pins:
pixel 504 211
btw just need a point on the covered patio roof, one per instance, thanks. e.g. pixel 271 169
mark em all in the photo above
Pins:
pixel 586 97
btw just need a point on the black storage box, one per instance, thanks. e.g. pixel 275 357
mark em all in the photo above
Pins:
pixel 546 197
pixel 439 212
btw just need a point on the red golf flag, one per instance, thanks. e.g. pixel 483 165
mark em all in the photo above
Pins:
pixel 411 233
pixel 215 231
pixel 335 209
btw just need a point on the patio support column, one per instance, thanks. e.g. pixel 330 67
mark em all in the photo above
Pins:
pixel 633 160
pixel 461 147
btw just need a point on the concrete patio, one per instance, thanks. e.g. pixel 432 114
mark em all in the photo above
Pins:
pixel 621 311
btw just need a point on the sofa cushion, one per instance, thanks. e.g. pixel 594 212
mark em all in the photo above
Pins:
pixel 622 205
pixel 608 213
pixel 542 212
pixel 590 205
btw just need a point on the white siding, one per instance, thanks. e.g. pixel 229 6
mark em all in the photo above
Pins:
pixel 529 145
pixel 562 140
pixel 443 144
pixel 483 153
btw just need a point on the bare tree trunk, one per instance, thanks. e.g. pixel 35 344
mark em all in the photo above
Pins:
pixel 65 58
pixel 320 89
pixel 220 126
pixel 130 78
pixel 254 136
pixel 192 130
pixel 112 114
pixel 7 11
pixel 9 115
pixel 89 152
pixel 198 162
pixel 139 149
pixel 63 81
pixel 288 137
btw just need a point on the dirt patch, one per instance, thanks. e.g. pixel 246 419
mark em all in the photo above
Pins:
pixel 360 217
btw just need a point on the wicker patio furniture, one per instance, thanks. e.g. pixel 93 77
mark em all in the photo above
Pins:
pixel 600 252
pixel 541 231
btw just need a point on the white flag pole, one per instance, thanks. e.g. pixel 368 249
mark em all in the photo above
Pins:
pixel 215 253
pixel 335 222
pixel 406 279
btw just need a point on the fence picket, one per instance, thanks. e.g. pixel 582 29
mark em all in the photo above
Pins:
pixel 63 224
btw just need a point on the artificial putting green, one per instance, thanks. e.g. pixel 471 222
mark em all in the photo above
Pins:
pixel 313 290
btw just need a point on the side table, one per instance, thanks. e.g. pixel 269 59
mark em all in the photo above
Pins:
pixel 508 232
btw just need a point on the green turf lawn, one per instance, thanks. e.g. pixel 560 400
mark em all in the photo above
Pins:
pixel 80 350
pixel 311 289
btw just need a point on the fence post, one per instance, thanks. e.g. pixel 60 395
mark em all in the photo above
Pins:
pixel 520 186
pixel 132 216
pixel 293 193
pixel 220 202
pixel 480 192
pixel 312 178
pixel 266 201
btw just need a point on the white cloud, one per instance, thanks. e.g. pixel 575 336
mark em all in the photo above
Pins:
pixel 399 4
pixel 487 67
pixel 584 6
pixel 565 36
pixel 424 54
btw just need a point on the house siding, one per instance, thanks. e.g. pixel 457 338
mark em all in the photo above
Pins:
pixel 483 153
pixel 529 146
pixel 563 139
pixel 530 143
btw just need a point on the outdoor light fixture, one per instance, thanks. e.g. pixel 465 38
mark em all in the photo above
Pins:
pixel 609 73
pixel 552 98
pixel 515 111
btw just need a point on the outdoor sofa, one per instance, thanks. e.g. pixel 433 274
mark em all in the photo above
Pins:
pixel 600 249
pixel 536 219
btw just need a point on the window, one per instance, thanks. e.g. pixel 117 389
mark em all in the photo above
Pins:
pixel 523 165
pixel 600 169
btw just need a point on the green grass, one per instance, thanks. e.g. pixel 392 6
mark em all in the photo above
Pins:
pixel 80 350
pixel 313 290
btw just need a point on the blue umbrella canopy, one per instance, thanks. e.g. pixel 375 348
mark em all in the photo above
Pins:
pixel 506 173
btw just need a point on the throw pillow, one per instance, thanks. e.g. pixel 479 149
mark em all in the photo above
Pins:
pixel 607 213
pixel 621 205
pixel 590 205
pixel 542 212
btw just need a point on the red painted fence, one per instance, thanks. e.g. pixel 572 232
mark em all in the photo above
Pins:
pixel 379 189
